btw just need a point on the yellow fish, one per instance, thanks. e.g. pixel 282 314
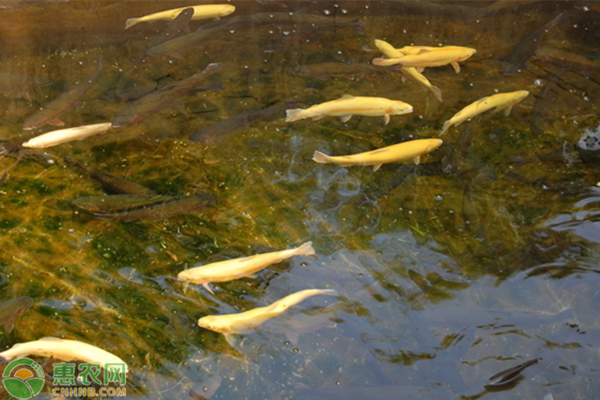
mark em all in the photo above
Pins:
pixel 412 149
pixel 61 136
pixel 347 106
pixel 501 101
pixel 248 321
pixel 410 72
pixel 200 12
pixel 240 267
pixel 430 57
pixel 62 349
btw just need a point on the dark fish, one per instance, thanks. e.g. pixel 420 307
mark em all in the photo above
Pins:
pixel 119 202
pixel 501 4
pixel 347 70
pixel 164 209
pixel 567 59
pixel 154 102
pixel 459 318
pixel 130 93
pixel 206 389
pixel 526 47
pixel 110 183
pixel 135 93
pixel 509 375
pixel 175 27
pixel 236 123
pixel 50 113
pixel 300 20
pixel 303 20
pixel 174 46
pixel 18 84
pixel 12 309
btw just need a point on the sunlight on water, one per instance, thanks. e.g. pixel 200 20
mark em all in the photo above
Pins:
pixel 448 273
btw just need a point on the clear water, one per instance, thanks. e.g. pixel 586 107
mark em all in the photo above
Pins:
pixel 447 272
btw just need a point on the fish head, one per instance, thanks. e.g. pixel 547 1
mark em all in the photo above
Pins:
pixel 214 323
pixel 520 95
pixel 188 275
pixel 399 107
pixel 226 9
pixel 433 144
pixel 466 53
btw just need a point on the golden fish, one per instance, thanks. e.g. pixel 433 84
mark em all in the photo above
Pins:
pixel 248 321
pixel 413 149
pixel 347 106
pixel 200 12
pixel 240 267
pixel 501 101
pixel 61 136
pixel 62 349
pixel 430 57
pixel 410 72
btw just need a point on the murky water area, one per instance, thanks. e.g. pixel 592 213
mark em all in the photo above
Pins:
pixel 479 259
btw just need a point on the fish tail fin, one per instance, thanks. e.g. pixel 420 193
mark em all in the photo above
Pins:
pixel 294 114
pixel 321 158
pixel 329 292
pixel 131 22
pixel 306 249
pixel 445 127
pixel 437 92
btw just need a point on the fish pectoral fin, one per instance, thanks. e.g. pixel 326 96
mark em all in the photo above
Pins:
pixel 386 119
pixel 345 118
pixel 420 69
pixel 207 287
pixel 232 339
pixel 376 167
pixel 56 122
pixel 507 110
pixel 417 160
pixel 317 117
pixel 455 66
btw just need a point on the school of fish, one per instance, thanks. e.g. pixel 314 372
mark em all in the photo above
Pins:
pixel 129 201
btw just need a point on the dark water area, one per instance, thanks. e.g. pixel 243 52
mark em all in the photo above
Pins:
pixel 479 259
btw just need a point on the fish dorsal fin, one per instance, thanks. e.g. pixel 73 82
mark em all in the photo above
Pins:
pixel 51 339
pixel 347 97
pixel 423 51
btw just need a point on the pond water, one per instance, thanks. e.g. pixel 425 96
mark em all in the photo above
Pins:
pixel 480 258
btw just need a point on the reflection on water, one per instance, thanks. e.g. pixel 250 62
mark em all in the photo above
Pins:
pixel 479 259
